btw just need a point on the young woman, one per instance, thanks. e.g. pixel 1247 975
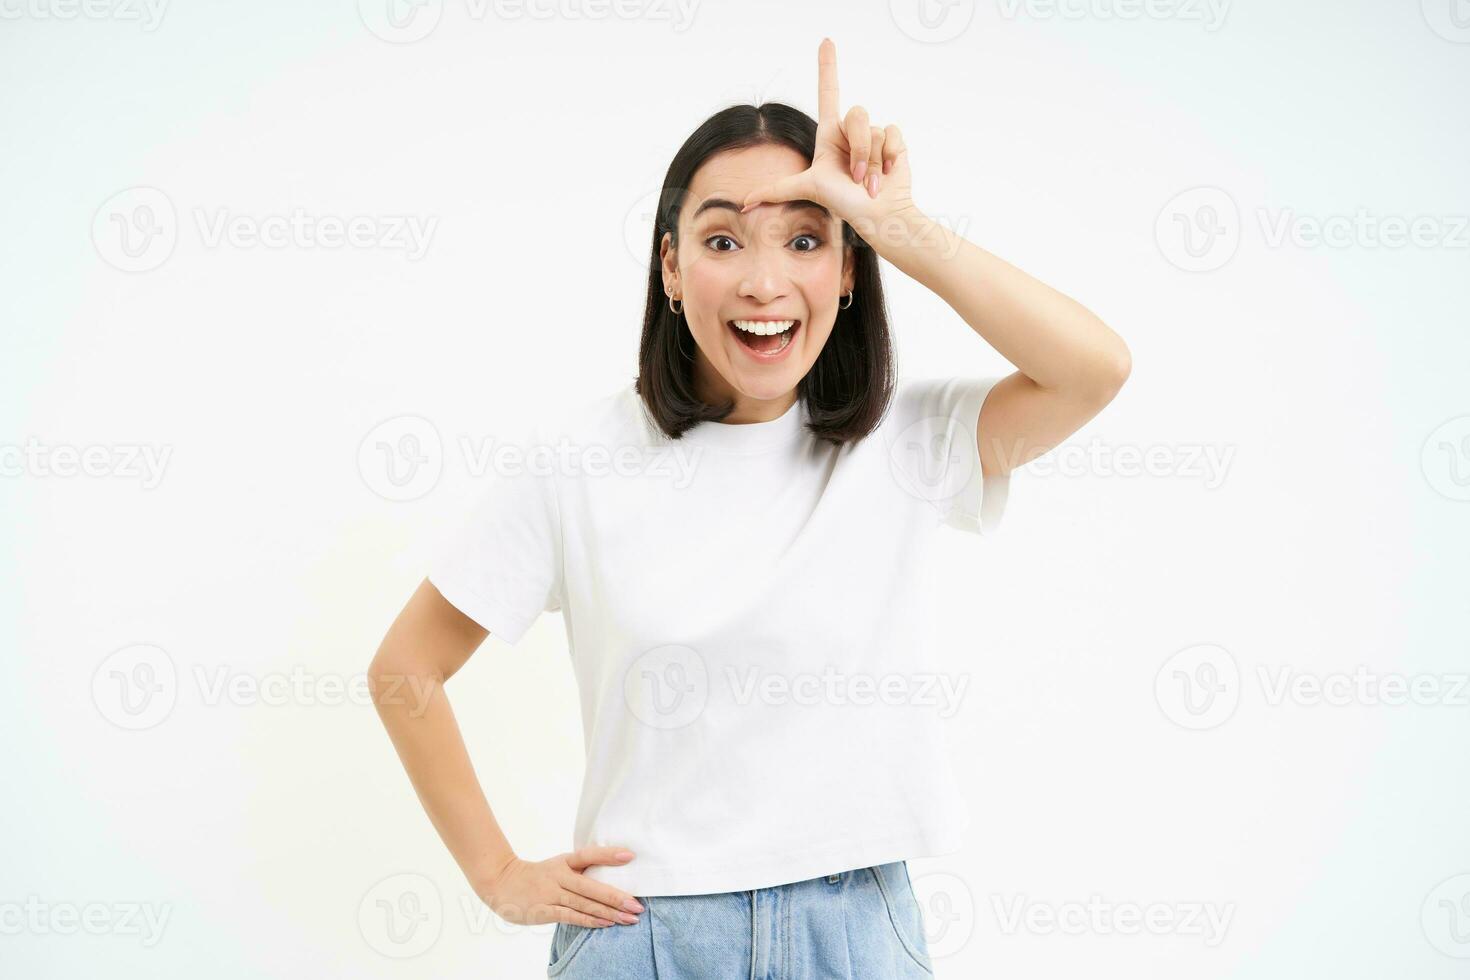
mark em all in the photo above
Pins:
pixel 745 612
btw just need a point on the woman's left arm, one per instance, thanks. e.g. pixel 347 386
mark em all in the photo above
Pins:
pixel 1070 363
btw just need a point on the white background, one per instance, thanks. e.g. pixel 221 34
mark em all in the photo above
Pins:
pixel 279 836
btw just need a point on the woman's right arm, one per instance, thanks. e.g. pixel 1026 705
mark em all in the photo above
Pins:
pixel 428 642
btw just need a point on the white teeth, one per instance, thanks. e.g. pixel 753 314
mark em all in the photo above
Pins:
pixel 764 327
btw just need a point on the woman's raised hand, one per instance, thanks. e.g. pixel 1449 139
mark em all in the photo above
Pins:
pixel 859 172
pixel 555 890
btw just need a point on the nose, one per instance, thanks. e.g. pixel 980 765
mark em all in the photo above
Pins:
pixel 764 278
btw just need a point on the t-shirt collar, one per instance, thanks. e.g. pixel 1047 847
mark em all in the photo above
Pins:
pixel 750 436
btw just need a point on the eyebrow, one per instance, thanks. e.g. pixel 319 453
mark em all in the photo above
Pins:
pixel 720 202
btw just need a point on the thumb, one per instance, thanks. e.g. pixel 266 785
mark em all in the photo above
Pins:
pixel 585 857
pixel 793 188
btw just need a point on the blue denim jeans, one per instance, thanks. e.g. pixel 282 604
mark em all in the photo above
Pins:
pixel 856 925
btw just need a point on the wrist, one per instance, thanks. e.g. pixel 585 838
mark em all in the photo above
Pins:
pixel 488 875
pixel 917 245
pixel 892 228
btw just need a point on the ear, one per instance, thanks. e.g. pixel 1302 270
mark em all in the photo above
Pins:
pixel 669 260
pixel 849 269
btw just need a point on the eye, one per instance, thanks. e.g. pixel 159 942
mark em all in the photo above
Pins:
pixel 815 240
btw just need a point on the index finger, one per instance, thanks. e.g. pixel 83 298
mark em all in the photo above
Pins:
pixel 827 81
pixel 613 898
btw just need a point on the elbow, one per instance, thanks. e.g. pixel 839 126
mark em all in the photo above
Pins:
pixel 1119 367
pixel 383 677
pixel 396 679
pixel 397 693
pixel 380 668
pixel 1102 383
pixel 386 661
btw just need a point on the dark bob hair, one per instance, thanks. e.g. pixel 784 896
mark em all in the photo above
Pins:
pixel 851 382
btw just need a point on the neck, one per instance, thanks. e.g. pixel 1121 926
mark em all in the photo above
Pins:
pixel 747 409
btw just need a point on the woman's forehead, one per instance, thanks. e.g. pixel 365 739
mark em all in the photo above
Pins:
pixel 737 172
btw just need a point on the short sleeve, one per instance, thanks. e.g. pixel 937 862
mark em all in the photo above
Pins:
pixel 935 455
pixel 502 564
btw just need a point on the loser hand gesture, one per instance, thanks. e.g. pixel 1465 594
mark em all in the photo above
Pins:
pixel 859 172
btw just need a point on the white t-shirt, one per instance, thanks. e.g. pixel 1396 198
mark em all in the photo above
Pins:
pixel 749 628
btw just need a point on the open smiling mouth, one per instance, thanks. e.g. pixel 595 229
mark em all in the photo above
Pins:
pixel 764 338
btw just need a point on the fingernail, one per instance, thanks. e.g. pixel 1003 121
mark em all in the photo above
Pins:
pixel 624 855
pixel 633 905
pixel 627 919
pixel 887 165
pixel 873 186
pixel 859 170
